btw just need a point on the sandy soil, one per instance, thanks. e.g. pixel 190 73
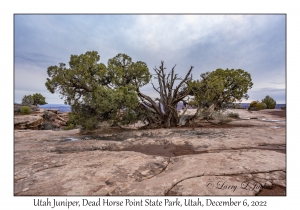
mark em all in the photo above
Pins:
pixel 244 157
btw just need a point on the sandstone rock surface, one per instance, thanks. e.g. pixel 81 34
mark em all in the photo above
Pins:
pixel 244 157
pixel 41 120
pixel 27 122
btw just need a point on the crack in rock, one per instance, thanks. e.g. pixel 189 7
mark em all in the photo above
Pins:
pixel 225 174
pixel 167 191
pixel 164 169
pixel 55 166
pixel 20 178
pixel 255 172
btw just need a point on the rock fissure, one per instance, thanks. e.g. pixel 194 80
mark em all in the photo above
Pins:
pixel 283 150
pixel 225 174
pixel 176 150
pixel 235 174
pixel 20 178
pixel 164 169
pixel 55 166
pixel 167 191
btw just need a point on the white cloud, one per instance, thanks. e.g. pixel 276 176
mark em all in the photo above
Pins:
pixel 176 31
pixel 252 42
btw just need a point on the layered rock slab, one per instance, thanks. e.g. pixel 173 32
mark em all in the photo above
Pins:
pixel 240 184
pixel 27 122
pixel 209 164
pixel 109 173
pixel 45 165
pixel 87 173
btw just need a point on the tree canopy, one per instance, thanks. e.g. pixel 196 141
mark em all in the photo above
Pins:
pixel 97 93
pixel 220 88
pixel 27 100
pixel 38 99
pixel 269 101
pixel 34 99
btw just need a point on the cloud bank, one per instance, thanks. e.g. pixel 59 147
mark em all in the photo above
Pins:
pixel 255 43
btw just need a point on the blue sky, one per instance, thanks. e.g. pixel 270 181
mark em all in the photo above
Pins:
pixel 255 43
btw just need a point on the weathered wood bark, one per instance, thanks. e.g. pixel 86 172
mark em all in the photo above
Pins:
pixel 200 114
pixel 162 111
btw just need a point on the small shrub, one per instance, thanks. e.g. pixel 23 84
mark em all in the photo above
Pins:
pixel 25 110
pixel 255 106
pixel 38 99
pixel 283 108
pixel 233 115
pixel 270 102
pixel 34 99
pixel 263 105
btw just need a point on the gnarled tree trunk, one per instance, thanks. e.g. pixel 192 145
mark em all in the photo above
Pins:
pixel 162 111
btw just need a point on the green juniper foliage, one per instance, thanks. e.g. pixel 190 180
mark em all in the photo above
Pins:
pixel 269 102
pixel 98 93
pixel 38 99
pixel 221 88
pixel 34 99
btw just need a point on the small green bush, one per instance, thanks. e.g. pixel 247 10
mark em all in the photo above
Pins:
pixel 25 110
pixel 255 106
pixel 263 105
pixel 34 99
pixel 270 102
